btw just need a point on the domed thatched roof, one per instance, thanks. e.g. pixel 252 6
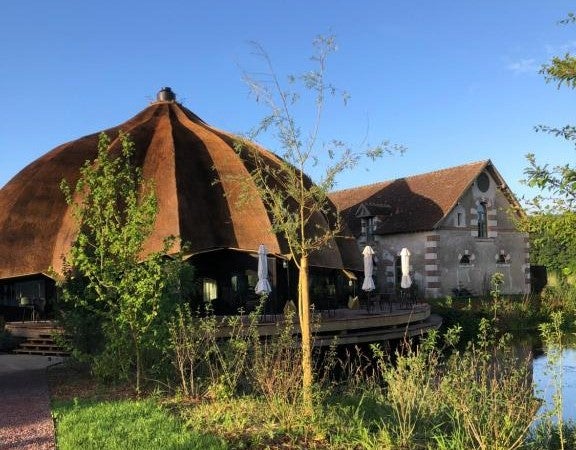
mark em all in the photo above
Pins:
pixel 184 156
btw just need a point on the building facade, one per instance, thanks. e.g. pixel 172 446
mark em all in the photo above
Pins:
pixel 457 223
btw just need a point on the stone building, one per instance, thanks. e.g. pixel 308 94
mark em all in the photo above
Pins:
pixel 457 224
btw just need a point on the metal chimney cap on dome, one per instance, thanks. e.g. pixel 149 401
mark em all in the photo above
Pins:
pixel 166 95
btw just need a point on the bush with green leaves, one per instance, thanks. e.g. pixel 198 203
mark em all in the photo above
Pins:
pixel 115 300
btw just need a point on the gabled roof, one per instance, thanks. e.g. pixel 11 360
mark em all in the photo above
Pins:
pixel 419 202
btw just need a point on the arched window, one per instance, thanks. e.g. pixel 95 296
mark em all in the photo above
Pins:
pixel 503 258
pixel 482 220
pixel 466 259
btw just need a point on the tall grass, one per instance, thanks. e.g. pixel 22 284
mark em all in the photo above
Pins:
pixel 409 389
pixel 425 394
pixel 479 398
pixel 430 393
pixel 489 394
pixel 207 363
pixel 414 398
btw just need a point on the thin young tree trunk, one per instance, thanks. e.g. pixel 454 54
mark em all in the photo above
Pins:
pixel 138 365
pixel 305 328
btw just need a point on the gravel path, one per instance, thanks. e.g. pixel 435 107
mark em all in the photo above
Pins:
pixel 25 418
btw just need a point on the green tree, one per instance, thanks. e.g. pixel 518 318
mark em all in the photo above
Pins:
pixel 293 201
pixel 552 218
pixel 552 240
pixel 109 278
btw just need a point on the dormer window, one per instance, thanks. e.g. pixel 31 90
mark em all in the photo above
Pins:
pixel 367 227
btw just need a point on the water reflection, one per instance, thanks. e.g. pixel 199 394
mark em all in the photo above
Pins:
pixel 544 377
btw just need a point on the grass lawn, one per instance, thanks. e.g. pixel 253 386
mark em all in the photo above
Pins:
pixel 90 416
pixel 123 424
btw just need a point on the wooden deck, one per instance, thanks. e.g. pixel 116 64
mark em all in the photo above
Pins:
pixel 340 326
pixel 354 326
pixel 33 329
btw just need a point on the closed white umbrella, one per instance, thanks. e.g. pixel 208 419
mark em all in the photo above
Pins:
pixel 368 284
pixel 406 281
pixel 263 286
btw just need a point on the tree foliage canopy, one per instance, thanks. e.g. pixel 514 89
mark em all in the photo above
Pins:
pixel 552 219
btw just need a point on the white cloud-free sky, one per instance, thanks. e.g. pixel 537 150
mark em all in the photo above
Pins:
pixel 455 82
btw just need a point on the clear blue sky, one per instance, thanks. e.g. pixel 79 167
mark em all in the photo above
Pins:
pixel 454 82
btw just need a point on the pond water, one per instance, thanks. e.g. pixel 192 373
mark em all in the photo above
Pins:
pixel 545 380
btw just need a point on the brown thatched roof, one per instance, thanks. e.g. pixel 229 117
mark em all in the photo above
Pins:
pixel 195 169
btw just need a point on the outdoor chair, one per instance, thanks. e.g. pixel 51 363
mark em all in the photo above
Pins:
pixel 378 300
pixel 385 298
pixel 39 307
pixel 26 305
pixel 407 298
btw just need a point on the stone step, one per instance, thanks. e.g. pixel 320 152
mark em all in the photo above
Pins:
pixel 43 352
pixel 40 344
